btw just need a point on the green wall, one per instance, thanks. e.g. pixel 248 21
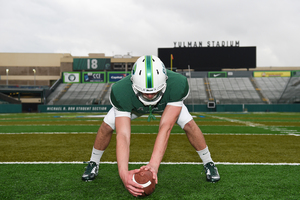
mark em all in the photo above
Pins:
pixel 273 108
pixel 10 108
pixel 17 108
pixel 247 107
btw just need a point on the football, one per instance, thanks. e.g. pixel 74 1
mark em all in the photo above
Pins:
pixel 144 178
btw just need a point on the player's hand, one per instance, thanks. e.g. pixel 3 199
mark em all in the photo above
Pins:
pixel 153 170
pixel 134 188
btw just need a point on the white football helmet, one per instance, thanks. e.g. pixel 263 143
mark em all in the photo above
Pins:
pixel 149 75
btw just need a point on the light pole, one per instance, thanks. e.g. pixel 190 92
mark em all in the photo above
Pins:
pixel 34 75
pixel 7 70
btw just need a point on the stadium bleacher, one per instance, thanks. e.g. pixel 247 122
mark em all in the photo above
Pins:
pixel 272 87
pixel 55 93
pixel 233 90
pixel 197 91
pixel 76 94
pixel 3 102
pixel 291 92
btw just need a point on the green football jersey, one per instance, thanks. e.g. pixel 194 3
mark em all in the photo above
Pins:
pixel 123 97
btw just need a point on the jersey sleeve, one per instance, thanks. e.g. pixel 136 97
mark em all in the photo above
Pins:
pixel 121 95
pixel 178 88
pixel 117 101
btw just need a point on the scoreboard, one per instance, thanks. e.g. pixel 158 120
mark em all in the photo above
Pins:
pixel 208 58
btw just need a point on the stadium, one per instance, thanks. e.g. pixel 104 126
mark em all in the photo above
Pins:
pixel 220 79
pixel 52 105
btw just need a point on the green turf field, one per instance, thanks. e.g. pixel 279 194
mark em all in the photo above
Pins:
pixel 257 154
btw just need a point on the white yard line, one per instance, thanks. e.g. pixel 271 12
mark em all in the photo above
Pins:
pixel 74 133
pixel 257 125
pixel 143 163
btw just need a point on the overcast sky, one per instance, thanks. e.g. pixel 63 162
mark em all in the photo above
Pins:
pixel 141 27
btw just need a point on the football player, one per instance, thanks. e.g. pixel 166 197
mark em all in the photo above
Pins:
pixel 150 88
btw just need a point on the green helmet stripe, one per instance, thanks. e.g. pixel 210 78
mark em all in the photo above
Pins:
pixel 149 70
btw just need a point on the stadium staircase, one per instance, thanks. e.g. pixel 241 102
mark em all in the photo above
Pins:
pixel 291 93
pixel 259 92
pixel 5 99
pixel 60 94
pixel 102 97
pixel 296 83
pixel 208 90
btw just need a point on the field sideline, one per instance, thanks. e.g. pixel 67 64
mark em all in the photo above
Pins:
pixel 257 154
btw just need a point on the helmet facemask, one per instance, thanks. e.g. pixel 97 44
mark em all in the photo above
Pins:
pixel 145 100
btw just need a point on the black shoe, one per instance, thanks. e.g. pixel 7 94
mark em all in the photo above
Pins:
pixel 91 171
pixel 211 171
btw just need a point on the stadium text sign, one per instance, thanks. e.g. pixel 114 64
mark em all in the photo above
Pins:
pixel 91 64
pixel 272 74
pixel 208 44
pixel 74 108
pixel 116 76
pixel 93 77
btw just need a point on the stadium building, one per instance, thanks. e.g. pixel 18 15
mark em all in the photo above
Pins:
pixel 222 77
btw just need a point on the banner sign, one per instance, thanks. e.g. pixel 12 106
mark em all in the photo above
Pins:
pixel 71 77
pixel 98 64
pixel 74 108
pixel 272 74
pixel 93 77
pixel 296 73
pixel 116 76
pixel 217 74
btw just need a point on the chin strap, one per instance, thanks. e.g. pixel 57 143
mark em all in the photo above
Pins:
pixel 151 116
